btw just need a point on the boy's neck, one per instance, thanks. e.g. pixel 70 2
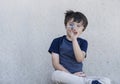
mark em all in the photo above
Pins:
pixel 68 37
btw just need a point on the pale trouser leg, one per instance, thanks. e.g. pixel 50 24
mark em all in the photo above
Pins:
pixel 102 80
pixel 61 77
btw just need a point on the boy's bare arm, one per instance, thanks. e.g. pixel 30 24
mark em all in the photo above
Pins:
pixel 79 54
pixel 56 64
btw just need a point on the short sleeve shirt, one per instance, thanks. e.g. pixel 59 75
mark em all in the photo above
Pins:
pixel 64 48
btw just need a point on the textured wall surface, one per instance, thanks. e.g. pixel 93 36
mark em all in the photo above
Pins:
pixel 27 28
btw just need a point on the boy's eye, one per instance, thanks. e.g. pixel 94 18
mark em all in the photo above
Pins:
pixel 78 25
pixel 71 24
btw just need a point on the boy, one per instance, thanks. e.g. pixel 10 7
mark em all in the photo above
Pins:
pixel 69 51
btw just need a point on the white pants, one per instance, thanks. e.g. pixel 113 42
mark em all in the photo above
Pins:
pixel 61 77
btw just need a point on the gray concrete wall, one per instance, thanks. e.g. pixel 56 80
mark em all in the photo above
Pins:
pixel 27 28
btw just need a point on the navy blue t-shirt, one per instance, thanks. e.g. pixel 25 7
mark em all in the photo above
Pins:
pixel 64 48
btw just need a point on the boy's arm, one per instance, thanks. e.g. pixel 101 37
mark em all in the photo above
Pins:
pixel 56 64
pixel 79 54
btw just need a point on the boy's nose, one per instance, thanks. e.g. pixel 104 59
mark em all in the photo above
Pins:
pixel 74 29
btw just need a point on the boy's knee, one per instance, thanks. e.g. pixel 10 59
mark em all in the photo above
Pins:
pixel 63 77
pixel 59 76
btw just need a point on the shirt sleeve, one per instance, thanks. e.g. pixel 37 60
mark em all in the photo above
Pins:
pixel 54 47
pixel 84 46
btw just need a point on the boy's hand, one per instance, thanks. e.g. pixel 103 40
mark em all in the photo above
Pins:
pixel 73 34
pixel 80 74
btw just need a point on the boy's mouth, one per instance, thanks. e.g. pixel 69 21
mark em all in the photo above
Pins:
pixel 75 33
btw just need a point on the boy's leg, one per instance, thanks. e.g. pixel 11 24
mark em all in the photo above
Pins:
pixel 102 80
pixel 61 77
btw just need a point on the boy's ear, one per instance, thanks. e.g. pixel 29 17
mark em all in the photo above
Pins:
pixel 83 29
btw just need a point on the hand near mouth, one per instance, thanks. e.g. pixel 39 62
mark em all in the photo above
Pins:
pixel 73 34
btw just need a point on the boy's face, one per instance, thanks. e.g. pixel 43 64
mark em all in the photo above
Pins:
pixel 76 28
